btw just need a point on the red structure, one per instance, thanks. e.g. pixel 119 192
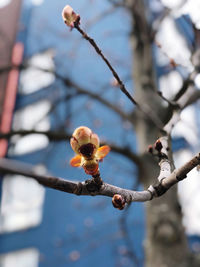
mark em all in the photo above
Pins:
pixel 11 57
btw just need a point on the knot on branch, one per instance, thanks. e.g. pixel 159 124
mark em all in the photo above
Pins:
pixel 92 186
pixel 159 188
pixel 97 178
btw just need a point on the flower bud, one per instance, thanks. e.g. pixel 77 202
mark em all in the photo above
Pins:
pixel 69 16
pixel 84 141
pixel 118 201
pixel 82 134
pixel 94 140
pixel 114 82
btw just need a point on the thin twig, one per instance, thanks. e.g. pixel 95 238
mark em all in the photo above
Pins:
pixel 69 83
pixel 122 87
pixel 97 49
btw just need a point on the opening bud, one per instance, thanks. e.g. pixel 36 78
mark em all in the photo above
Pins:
pixel 84 141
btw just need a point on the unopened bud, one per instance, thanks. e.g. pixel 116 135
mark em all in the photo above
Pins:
pixel 158 145
pixel 70 17
pixel 114 82
pixel 82 135
pixel 118 201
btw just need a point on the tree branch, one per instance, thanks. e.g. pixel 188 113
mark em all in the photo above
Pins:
pixel 52 135
pixel 69 83
pixel 99 52
pixel 155 119
pixel 97 97
pixel 89 187
pixel 186 99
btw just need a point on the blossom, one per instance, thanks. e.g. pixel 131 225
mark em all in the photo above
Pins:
pixel 85 144
pixel 69 16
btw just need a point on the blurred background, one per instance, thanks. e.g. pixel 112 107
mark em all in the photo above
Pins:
pixel 58 83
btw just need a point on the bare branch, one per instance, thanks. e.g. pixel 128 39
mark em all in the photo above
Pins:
pixel 183 101
pixel 97 97
pixel 193 98
pixel 155 119
pixel 52 135
pixel 171 103
pixel 89 187
pixel 166 178
pixel 99 52
pixel 184 88
pixel 69 83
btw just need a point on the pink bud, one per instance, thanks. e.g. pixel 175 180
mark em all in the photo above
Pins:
pixel 69 16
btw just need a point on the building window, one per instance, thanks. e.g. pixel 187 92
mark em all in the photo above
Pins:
pixel 21 205
pixel 22 258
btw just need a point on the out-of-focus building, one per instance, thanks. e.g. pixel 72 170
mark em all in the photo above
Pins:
pixel 10 57
pixel 12 217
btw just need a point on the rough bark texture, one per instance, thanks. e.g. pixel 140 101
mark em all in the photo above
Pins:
pixel 166 243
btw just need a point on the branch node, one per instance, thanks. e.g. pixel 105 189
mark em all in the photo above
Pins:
pixel 151 190
pixel 92 186
pixel 158 145
pixel 159 188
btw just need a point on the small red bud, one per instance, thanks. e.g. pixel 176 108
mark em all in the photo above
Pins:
pixel 118 201
pixel 158 145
